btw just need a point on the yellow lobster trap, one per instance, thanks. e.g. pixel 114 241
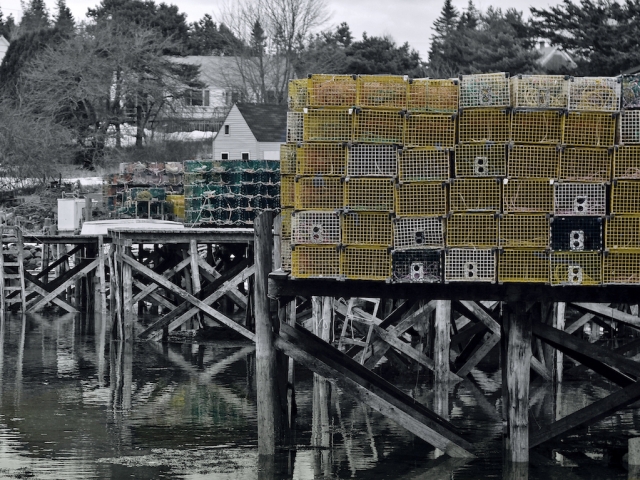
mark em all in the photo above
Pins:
pixel 576 268
pixel 622 232
pixel 321 159
pixel 287 191
pixel 382 92
pixel 530 231
pixel 475 195
pixel 540 91
pixel 621 268
pixel 533 161
pixel 430 129
pixel 595 94
pixel 378 126
pixel 315 261
pixel 367 229
pixel 475 230
pixel 586 164
pixel 319 193
pixel 298 90
pixel 327 125
pixel 590 129
pixel 523 266
pixel 369 194
pixel 537 126
pixel 626 163
pixel 527 195
pixel 331 91
pixel 288 159
pixel 428 95
pixel 624 197
pixel 285 254
pixel 421 199
pixel 484 125
pixel 365 263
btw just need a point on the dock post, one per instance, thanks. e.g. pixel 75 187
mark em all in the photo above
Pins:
pixel 442 341
pixel 266 375
pixel 518 364
pixel 127 297
pixel 558 322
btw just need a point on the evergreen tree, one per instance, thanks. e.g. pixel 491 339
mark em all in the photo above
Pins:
pixel 6 26
pixel 381 55
pixel 325 52
pixel 444 53
pixel 206 38
pixel 64 20
pixel 35 16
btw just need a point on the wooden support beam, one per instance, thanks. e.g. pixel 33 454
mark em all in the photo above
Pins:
pixel 625 349
pixel 102 276
pixel 442 341
pixel 467 333
pixel 41 289
pixel 58 262
pixel 359 382
pixel 573 327
pixel 127 298
pixel 473 310
pixel 609 312
pixel 558 323
pixel 155 297
pixel 588 415
pixel 166 274
pixel 490 341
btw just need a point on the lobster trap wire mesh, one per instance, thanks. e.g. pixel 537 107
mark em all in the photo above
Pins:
pixel 595 94
pixel 540 91
pixel 524 231
pixel 475 230
pixel 579 199
pixel 295 127
pixel 285 253
pixel 371 160
pixel 416 266
pixel 630 127
pixel 378 126
pixel 311 227
pixel 369 194
pixel 621 233
pixel 297 98
pixel 576 234
pixel 285 215
pixel 481 160
pixel 433 95
pixel 630 91
pixel 533 161
pixel 527 195
pixel 624 197
pixel 288 159
pixel 418 232
pixel 422 130
pixel 327 125
pixel 287 190
pixel 319 193
pixel 523 266
pixel 423 164
pixel 589 129
pixel 485 90
pixel 586 165
pixel 537 126
pixel 382 91
pixel 621 268
pixel 365 263
pixel 475 195
pixel 315 261
pixel 321 159
pixel 367 228
pixel 484 125
pixel 331 91
pixel 420 199
pixel 576 268
pixel 468 265
pixel 626 162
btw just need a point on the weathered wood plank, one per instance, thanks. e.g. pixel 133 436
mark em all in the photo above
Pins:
pixel 166 274
pixel 477 312
pixel 608 312
pixel 41 289
pixel 489 342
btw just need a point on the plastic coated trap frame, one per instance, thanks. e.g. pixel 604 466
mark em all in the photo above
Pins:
pixel 540 91
pixel 525 231
pixel 423 164
pixel 576 268
pixel 624 197
pixel 287 191
pixel 365 263
pixel 475 195
pixel 469 265
pixel 369 194
pixel 433 95
pixel 484 125
pixel 630 127
pixel 527 195
pixel 297 99
pixel 430 129
pixel 533 161
pixel 367 229
pixel 315 261
pixel 576 234
pixel 285 215
pixel 485 90
pixel 595 94
pixel 537 126
pixel 473 230
pixel 421 199
pixel 481 160
pixel 579 199
pixel 331 91
pixel 589 129
pixel 523 266
pixel 312 227
pixel 382 91
pixel 416 266
pixel 366 160
pixel 378 126
pixel 321 159
pixel 285 253
pixel 295 127
pixel 327 125
pixel 318 193
pixel 621 268
pixel 631 91
pixel 621 233
pixel 288 159
pixel 586 164
pixel 418 232
pixel 626 162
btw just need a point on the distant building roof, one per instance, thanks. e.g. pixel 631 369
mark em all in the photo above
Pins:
pixel 4 45
pixel 267 122
pixel 635 69
pixel 552 58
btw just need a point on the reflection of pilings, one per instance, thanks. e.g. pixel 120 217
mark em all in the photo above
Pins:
pixel 2 326
pixel 18 387
pixel 320 428
pixel 100 322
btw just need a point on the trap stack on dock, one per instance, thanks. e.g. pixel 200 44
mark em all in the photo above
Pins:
pixel 484 179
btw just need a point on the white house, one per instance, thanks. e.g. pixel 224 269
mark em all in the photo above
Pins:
pixel 4 45
pixel 251 132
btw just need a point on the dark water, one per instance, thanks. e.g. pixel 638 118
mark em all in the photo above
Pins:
pixel 74 405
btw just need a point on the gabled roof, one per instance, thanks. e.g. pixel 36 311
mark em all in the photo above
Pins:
pixel 267 122
pixel 555 59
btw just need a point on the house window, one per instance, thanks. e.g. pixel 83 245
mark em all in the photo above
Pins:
pixel 226 129
pixel 197 98
pixel 245 155
pixel 224 156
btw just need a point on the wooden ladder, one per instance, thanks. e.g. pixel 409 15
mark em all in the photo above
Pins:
pixel 357 314
pixel 11 270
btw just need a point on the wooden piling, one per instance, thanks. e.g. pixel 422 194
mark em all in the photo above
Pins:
pixel 442 341
pixel 127 298
pixel 558 322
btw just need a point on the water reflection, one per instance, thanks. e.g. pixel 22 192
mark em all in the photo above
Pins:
pixel 76 405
